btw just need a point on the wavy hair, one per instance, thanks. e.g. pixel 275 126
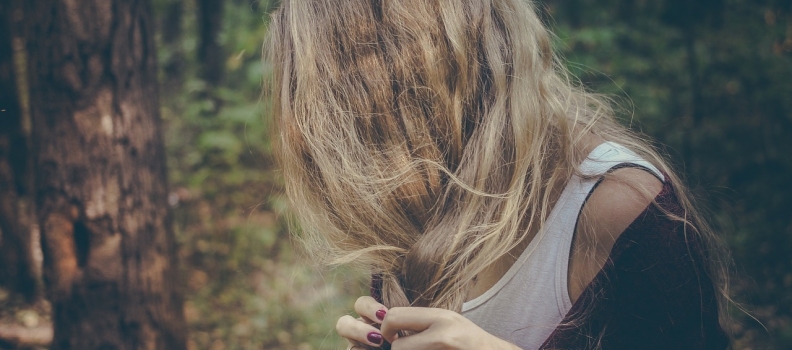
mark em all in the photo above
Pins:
pixel 420 138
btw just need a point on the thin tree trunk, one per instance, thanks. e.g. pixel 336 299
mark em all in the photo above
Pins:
pixel 210 53
pixel 696 111
pixel 172 36
pixel 574 11
pixel 101 181
pixel 626 11
pixel 16 258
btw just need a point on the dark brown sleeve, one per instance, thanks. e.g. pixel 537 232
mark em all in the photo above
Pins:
pixel 653 293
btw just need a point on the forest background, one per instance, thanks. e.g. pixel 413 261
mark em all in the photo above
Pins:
pixel 710 81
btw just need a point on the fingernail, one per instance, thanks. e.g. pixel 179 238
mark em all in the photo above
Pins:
pixel 380 314
pixel 374 338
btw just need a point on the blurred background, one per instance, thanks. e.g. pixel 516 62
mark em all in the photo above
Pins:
pixel 709 80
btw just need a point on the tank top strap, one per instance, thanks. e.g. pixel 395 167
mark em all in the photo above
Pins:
pixel 608 155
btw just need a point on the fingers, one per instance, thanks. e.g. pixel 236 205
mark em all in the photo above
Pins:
pixel 368 308
pixel 416 319
pixel 352 329
pixel 361 330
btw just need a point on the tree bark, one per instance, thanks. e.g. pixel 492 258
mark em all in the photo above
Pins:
pixel 100 176
pixel 210 53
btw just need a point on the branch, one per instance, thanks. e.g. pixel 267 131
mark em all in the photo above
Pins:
pixel 20 336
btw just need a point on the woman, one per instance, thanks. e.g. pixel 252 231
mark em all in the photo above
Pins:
pixel 442 145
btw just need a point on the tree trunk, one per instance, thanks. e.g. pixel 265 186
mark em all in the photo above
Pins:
pixel 16 258
pixel 172 36
pixel 574 10
pixel 625 11
pixel 210 53
pixel 100 176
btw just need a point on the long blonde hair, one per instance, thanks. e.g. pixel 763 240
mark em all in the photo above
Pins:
pixel 420 137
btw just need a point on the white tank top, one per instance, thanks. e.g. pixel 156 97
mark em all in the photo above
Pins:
pixel 532 298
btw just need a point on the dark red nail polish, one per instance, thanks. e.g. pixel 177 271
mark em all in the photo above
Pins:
pixel 380 314
pixel 374 338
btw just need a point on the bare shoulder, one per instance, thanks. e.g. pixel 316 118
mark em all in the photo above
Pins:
pixel 614 204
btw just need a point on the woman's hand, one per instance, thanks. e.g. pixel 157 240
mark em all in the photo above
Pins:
pixel 432 328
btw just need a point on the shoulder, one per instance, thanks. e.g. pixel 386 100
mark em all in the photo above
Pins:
pixel 619 198
pixel 615 203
